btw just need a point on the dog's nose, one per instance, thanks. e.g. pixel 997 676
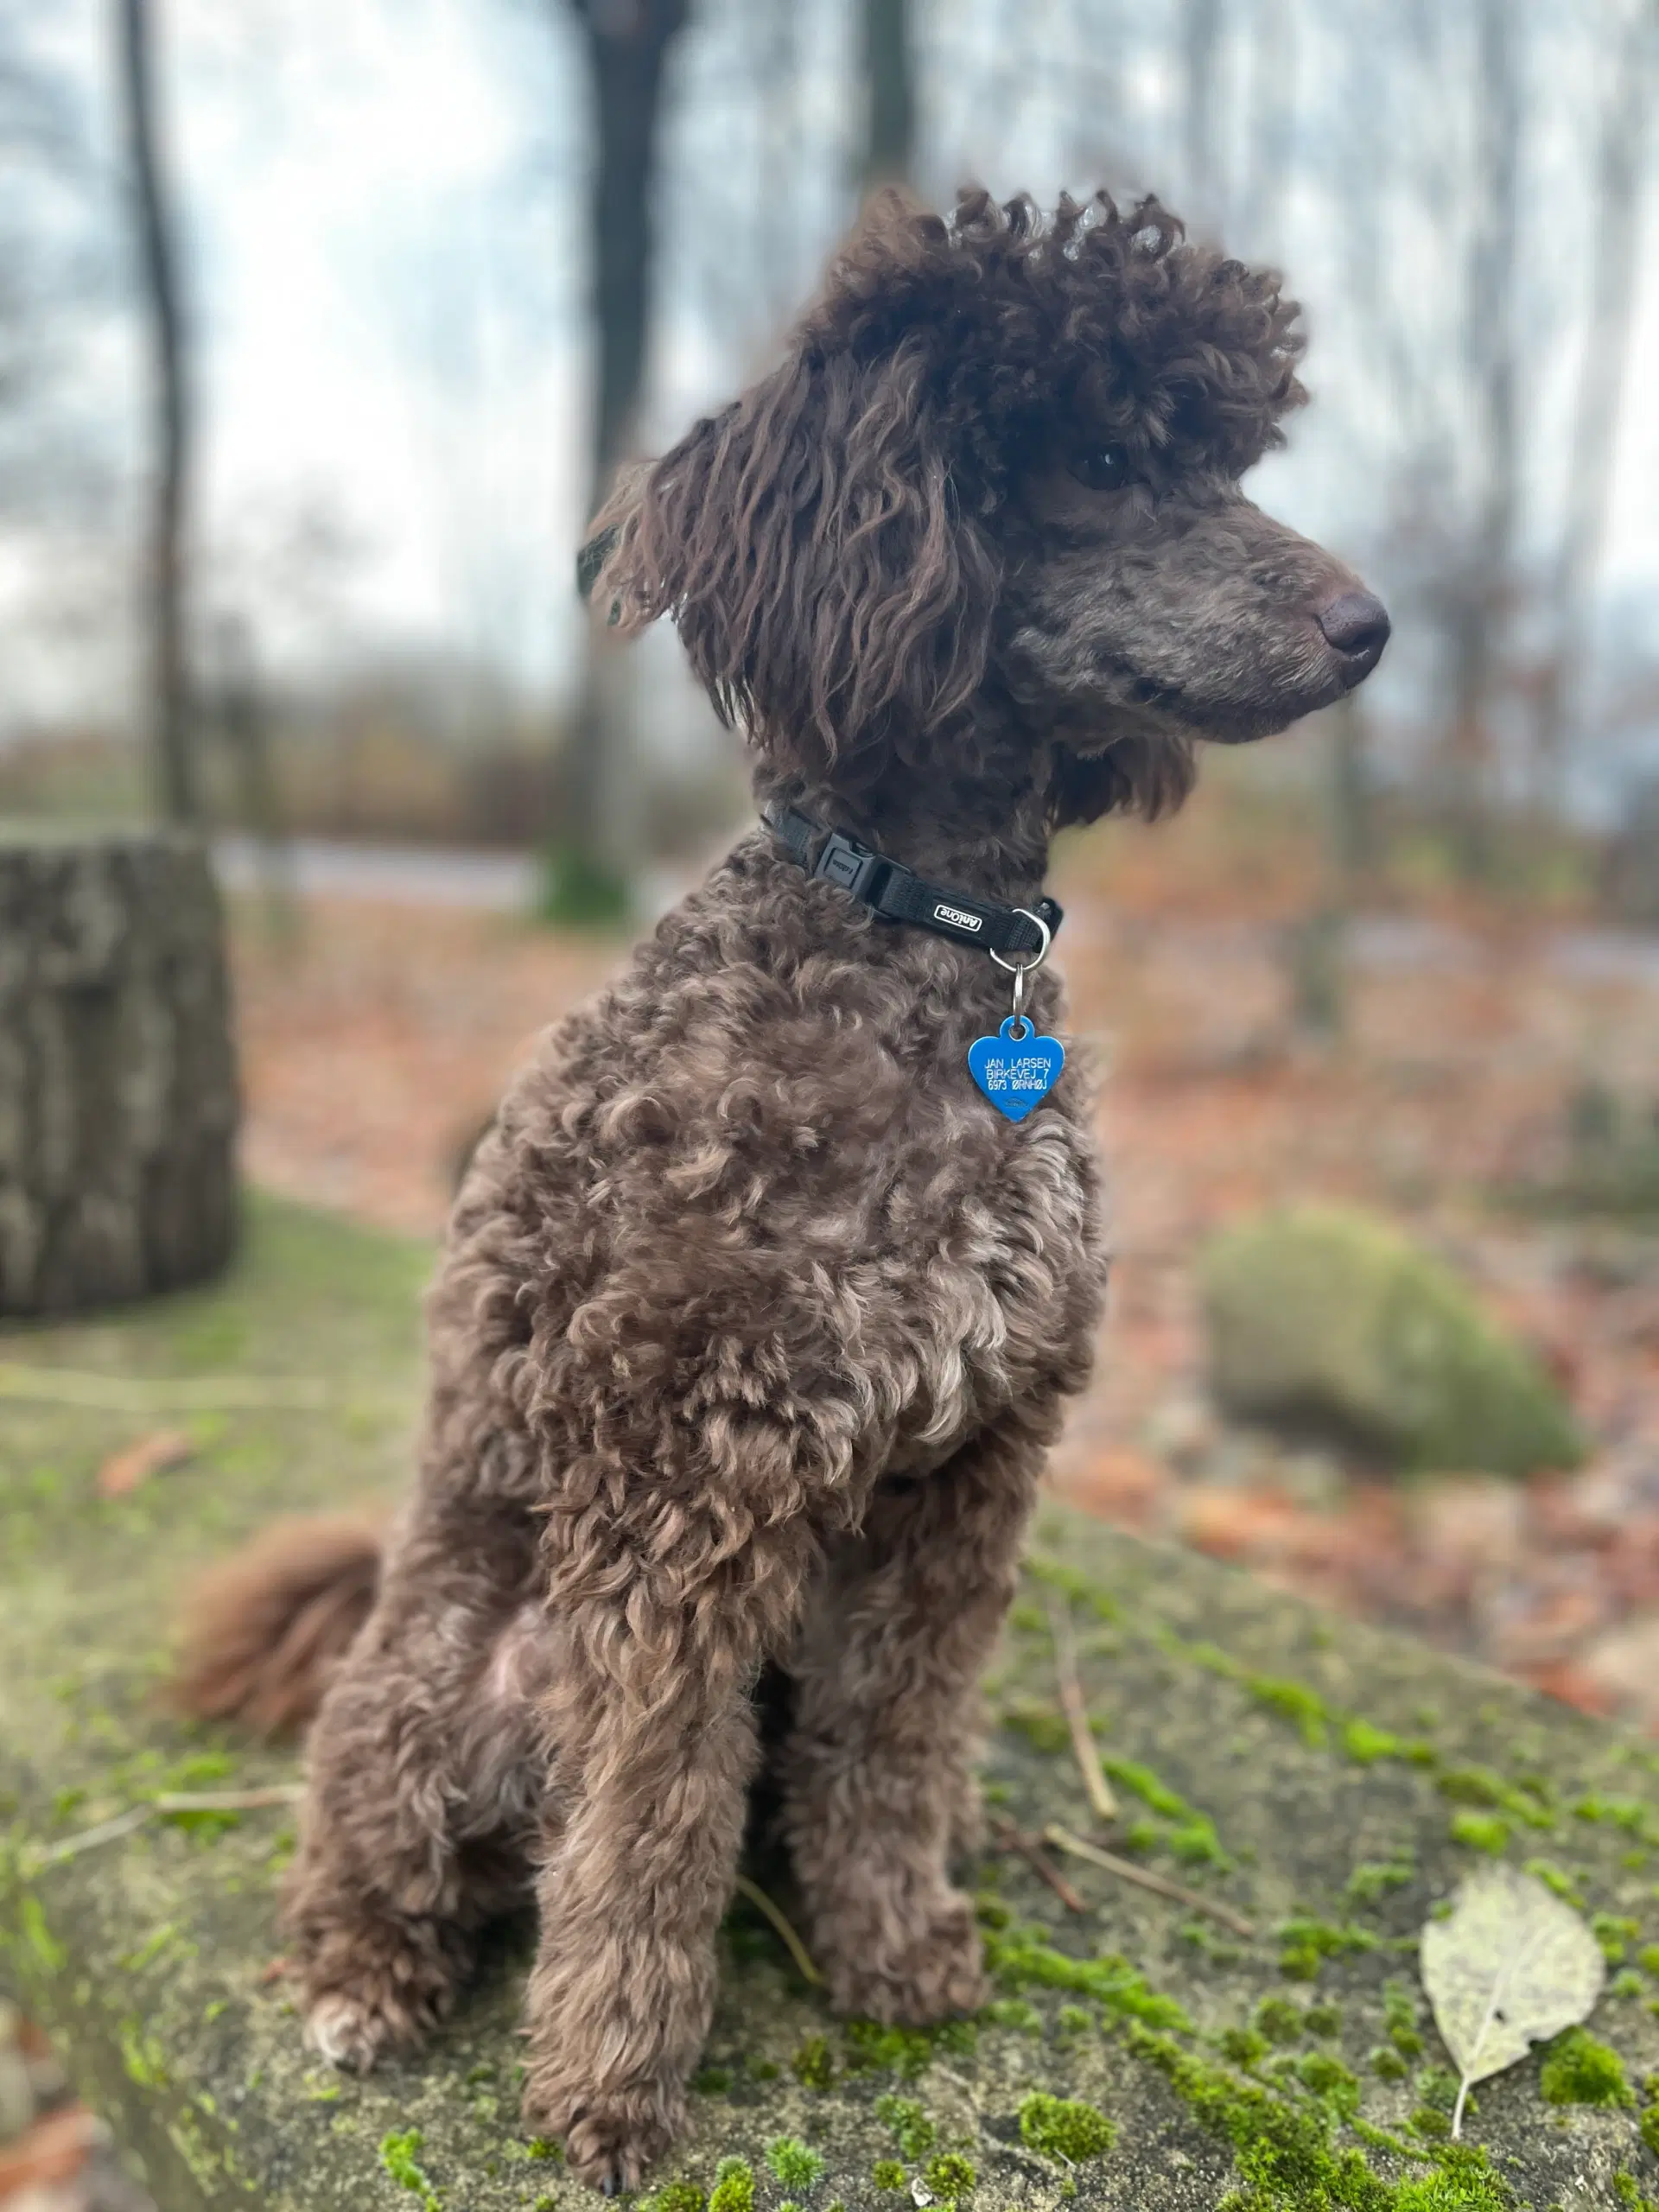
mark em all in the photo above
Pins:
pixel 1357 625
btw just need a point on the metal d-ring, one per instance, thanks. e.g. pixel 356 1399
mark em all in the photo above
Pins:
pixel 1020 969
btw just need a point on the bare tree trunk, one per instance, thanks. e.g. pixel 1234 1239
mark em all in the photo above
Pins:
pixel 890 85
pixel 164 582
pixel 627 45
pixel 1482 600
pixel 1614 230
pixel 244 724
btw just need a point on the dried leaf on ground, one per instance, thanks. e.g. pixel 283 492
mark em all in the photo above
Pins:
pixel 53 2148
pixel 1508 1967
pixel 154 1454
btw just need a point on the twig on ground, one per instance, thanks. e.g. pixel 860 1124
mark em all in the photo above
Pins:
pixel 1010 1837
pixel 171 1800
pixel 1076 1709
pixel 792 1942
pixel 136 1394
pixel 1143 1877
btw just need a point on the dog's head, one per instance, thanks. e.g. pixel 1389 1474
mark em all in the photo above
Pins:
pixel 1001 463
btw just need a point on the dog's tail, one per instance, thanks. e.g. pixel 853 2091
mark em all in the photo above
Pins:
pixel 265 1631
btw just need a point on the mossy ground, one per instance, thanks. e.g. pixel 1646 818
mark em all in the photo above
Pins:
pixel 1311 1776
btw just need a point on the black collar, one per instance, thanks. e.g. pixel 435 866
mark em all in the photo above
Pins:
pixel 898 894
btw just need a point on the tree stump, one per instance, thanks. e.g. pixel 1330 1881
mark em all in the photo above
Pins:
pixel 118 1098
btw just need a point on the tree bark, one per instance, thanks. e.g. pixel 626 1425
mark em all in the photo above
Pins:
pixel 890 89
pixel 627 45
pixel 171 731
pixel 1482 595
pixel 1614 268
pixel 117 1080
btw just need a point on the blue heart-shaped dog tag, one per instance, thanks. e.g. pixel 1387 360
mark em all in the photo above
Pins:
pixel 1016 1068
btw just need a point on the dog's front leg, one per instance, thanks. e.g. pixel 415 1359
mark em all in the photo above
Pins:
pixel 652 1712
pixel 878 1770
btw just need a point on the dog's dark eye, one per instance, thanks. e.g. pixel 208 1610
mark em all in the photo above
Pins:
pixel 1105 469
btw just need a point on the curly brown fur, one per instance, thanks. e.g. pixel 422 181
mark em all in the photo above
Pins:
pixel 755 1319
pixel 266 1629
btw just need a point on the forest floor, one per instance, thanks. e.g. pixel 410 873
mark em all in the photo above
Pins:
pixel 375 1043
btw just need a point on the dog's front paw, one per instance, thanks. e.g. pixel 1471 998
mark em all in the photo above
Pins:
pixel 610 2136
pixel 913 1971
pixel 371 1987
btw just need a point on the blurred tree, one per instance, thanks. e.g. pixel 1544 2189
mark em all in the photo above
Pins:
pixel 165 557
pixel 889 152
pixel 1629 62
pixel 1482 591
pixel 628 40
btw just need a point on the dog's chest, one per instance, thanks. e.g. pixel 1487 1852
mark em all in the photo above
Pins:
pixel 998 1297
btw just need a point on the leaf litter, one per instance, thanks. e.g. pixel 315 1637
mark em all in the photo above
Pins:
pixel 1510 1966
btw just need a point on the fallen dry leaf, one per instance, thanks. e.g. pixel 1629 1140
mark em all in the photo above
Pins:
pixel 151 1455
pixel 1509 1966
pixel 53 2148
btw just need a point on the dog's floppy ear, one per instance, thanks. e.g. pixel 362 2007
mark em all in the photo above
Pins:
pixel 808 543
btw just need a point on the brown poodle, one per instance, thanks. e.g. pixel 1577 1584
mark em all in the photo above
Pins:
pixel 756 1318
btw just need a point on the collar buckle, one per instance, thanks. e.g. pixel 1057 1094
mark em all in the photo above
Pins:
pixel 845 861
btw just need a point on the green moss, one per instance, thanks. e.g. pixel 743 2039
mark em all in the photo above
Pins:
pixel 1278 2020
pixel 1150 1787
pixel 814 2064
pixel 1647 1958
pixel 1487 1832
pixel 1325 2077
pixel 41 1945
pixel 1486 1792
pixel 887 2173
pixel 1293 1702
pixel 1462 2183
pixel 951 2174
pixel 1437 2086
pixel 1430 2122
pixel 400 2158
pixel 1400 2018
pixel 1614 1933
pixel 1629 2192
pixel 1072 2020
pixel 907 2052
pixel 1556 1879
pixel 1323 2020
pixel 734 2188
pixel 793 2164
pixel 1365 1743
pixel 1373 1878
pixel 1065 2127
pixel 1647 2128
pixel 910 2128
pixel 1386 2063
pixel 1579 2070
pixel 1284 2153
pixel 1328 1313
pixel 1016 2013
pixel 1245 2047
pixel 712 2081
pixel 681 2195
pixel 1043 1728
pixel 1308 1943
pixel 1021 1958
